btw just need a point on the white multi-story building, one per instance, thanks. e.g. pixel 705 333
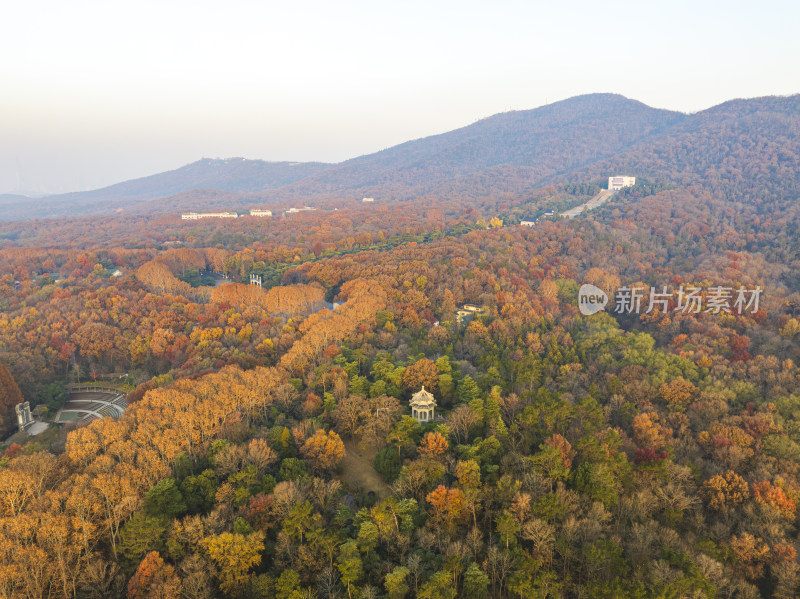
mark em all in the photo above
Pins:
pixel 615 183
pixel 199 215
pixel 296 210
pixel 258 212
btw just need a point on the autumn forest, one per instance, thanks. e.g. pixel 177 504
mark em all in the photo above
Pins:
pixel 268 449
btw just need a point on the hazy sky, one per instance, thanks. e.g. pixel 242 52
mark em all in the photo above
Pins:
pixel 95 92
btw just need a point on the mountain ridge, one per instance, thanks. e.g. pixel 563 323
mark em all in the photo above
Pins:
pixel 228 175
pixel 516 151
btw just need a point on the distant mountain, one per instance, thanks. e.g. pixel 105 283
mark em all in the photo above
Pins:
pixel 235 175
pixel 738 149
pixel 212 200
pixel 14 198
pixel 540 143
pixel 742 150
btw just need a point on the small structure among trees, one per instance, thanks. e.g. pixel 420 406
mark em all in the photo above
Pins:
pixel 423 405
pixel 24 418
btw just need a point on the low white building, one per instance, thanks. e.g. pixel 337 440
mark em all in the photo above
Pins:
pixel 367 199
pixel 615 183
pixel 261 212
pixel 296 210
pixel 468 312
pixel 199 215
pixel 528 223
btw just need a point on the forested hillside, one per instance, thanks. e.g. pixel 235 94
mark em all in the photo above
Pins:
pixel 743 150
pixel 269 451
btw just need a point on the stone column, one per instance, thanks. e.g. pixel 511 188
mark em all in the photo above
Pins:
pixel 24 418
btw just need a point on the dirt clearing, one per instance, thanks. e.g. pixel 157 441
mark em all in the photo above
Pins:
pixel 358 473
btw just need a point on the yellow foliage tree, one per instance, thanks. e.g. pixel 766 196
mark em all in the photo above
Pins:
pixel 468 473
pixel 235 554
pixel 678 393
pixel 724 491
pixel 751 552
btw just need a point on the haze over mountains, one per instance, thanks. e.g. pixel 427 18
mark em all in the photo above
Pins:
pixel 739 148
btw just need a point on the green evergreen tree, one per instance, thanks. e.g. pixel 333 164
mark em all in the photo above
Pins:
pixel 165 499
pixel 139 536
pixel 475 583
pixel 199 491
pixel 468 390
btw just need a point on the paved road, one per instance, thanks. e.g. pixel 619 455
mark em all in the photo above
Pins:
pixel 598 200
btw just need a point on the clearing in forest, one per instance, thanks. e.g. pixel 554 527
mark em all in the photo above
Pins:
pixel 357 471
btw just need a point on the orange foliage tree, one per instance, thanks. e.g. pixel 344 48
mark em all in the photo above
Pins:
pixel 323 450
pixel 563 447
pixel 764 492
pixel 422 372
pixel 158 277
pixel 433 444
pixel 154 579
pixel 648 432
pixel 447 504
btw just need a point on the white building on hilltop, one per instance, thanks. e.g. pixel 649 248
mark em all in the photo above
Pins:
pixel 199 215
pixel 423 406
pixel 615 183
pixel 257 212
